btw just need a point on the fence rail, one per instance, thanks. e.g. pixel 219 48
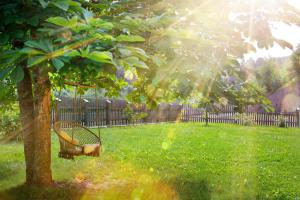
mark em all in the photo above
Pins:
pixel 101 112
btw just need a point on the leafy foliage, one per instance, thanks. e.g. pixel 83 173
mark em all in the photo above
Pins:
pixel 9 123
pixel 197 55
pixel 112 44
pixel 270 74
pixel 7 95
pixel 132 115
pixel 246 120
pixel 66 38
pixel 295 69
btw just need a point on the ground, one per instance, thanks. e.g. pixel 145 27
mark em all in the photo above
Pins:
pixel 170 161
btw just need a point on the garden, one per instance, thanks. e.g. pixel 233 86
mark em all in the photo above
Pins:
pixel 148 99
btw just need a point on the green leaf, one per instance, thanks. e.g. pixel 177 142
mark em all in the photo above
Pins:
pixel 35 60
pixel 100 23
pixel 125 52
pixel 34 21
pixel 73 53
pixel 74 3
pixel 140 53
pixel 9 58
pixel 33 44
pixel 141 65
pixel 17 34
pixel 58 64
pixel 64 5
pixel 4 37
pixel 130 38
pixel 44 45
pixel 87 14
pixel 103 56
pixel 30 51
pixel 17 74
pixel 4 72
pixel 73 22
pixel 43 3
pixel 60 21
pixel 47 45
pixel 85 52
pixel 103 36
pixel 135 62
pixel 81 27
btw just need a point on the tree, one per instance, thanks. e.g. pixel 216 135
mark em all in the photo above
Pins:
pixel 205 36
pixel 45 45
pixel 295 68
pixel 270 75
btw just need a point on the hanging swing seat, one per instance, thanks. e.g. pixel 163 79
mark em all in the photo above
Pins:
pixel 76 140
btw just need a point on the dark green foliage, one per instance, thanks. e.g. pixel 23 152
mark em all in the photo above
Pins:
pixel 10 124
pixel 7 95
pixel 70 41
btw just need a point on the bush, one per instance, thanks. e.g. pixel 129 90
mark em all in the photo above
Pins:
pixel 9 125
pixel 282 122
pixel 134 116
pixel 245 119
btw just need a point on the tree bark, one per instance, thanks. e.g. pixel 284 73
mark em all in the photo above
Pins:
pixel 26 104
pixel 42 175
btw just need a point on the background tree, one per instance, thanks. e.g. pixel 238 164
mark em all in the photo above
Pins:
pixel 270 76
pixel 204 37
pixel 295 68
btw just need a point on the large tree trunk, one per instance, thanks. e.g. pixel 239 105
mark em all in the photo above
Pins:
pixel 26 105
pixel 42 175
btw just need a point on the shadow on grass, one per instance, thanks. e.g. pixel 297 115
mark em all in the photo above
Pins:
pixel 9 169
pixel 192 189
pixel 57 192
pixel 6 171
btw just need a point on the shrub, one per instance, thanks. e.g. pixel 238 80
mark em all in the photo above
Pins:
pixel 245 119
pixel 282 122
pixel 134 116
pixel 9 125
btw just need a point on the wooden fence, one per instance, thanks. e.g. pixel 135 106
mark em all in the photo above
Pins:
pixel 227 115
pixel 91 112
pixel 101 112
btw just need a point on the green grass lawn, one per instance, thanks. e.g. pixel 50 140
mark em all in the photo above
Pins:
pixel 170 161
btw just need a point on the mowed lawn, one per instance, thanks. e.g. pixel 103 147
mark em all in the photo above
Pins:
pixel 170 161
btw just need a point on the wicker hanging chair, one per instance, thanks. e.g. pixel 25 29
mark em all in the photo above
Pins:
pixel 76 140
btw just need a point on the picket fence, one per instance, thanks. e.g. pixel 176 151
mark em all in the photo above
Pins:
pixel 103 112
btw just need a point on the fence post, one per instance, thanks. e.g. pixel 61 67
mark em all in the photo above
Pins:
pixel 169 112
pixel 298 117
pixel 85 112
pixel 56 110
pixel 108 112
